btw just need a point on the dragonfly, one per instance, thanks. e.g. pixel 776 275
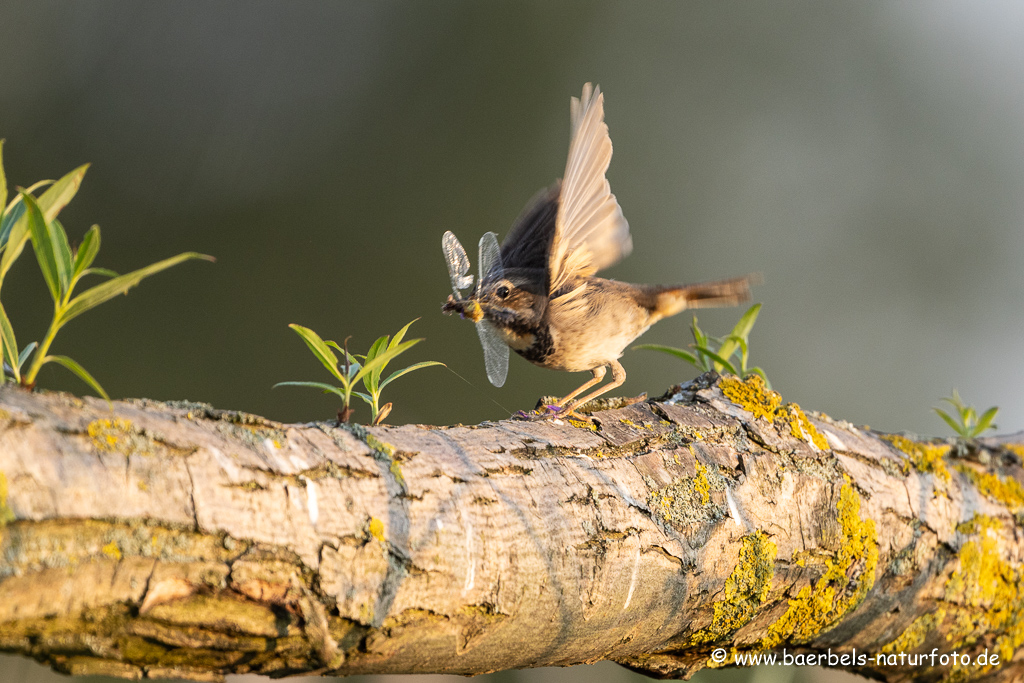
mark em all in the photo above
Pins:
pixel 495 350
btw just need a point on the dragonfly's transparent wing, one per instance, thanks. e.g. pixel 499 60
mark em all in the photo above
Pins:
pixel 458 263
pixel 495 352
pixel 490 260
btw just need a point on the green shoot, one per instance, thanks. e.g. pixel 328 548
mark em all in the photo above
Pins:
pixel 28 217
pixel 966 422
pixel 372 382
pixel 14 233
pixel 731 354
pixel 352 369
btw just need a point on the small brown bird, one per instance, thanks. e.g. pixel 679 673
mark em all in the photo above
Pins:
pixel 537 293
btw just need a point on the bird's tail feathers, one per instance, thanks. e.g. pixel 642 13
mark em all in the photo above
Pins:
pixel 668 301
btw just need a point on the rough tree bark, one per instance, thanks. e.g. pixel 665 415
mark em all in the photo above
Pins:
pixel 175 540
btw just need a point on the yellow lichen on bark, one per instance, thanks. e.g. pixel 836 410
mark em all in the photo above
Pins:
pixel 6 514
pixel 1007 491
pixel 983 594
pixel 754 396
pixel 745 590
pixel 376 529
pixel 847 578
pixel 119 436
pixel 915 634
pixel 925 457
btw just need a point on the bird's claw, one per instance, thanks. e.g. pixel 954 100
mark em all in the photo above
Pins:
pixel 552 411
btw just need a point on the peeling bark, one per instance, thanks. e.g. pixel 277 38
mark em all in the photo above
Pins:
pixel 176 540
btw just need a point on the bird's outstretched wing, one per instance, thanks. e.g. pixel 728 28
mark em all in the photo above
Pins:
pixel 528 242
pixel 590 230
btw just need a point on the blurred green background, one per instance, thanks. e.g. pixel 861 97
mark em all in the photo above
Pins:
pixel 867 158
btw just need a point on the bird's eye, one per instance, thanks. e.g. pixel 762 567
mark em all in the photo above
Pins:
pixel 502 292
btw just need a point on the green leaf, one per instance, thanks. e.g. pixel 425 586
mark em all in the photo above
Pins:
pixel 746 323
pixel 87 251
pixel 16 237
pixel 4 364
pixel 698 336
pixel 738 341
pixel 672 351
pixel 15 211
pixel 50 203
pixel 42 244
pixel 743 350
pixel 62 254
pixel 80 371
pixel 728 347
pixel 373 379
pixel 985 422
pixel 321 350
pixel 384 357
pixel 719 361
pixel 8 346
pixel 105 272
pixel 11 215
pixel 950 421
pixel 61 192
pixel 368 399
pixel 25 353
pixel 969 417
pixel 3 181
pixel 381 343
pixel 404 371
pixel 326 388
pixel 740 331
pixel 955 401
pixel 400 335
pixel 121 284
pixel 353 364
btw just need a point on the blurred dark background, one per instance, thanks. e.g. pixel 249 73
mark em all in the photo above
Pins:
pixel 868 158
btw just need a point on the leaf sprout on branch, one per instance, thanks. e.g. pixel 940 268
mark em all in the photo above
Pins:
pixel 966 422
pixel 717 353
pixel 353 368
pixel 28 217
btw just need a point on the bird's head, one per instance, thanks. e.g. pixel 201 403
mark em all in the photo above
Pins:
pixel 514 299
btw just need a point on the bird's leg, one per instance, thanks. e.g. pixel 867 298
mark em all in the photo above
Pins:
pixel 598 372
pixel 618 377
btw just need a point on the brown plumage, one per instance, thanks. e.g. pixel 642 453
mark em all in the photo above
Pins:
pixel 539 294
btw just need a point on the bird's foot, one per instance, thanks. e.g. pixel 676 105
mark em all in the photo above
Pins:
pixel 548 409
pixel 543 411
pixel 610 403
pixel 576 419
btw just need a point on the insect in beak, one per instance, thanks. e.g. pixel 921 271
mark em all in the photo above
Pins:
pixel 468 309
pixel 473 311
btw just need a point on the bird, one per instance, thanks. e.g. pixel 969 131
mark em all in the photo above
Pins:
pixel 537 292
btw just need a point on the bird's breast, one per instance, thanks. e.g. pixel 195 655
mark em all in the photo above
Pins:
pixel 534 344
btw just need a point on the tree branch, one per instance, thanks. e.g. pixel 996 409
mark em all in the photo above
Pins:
pixel 175 540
